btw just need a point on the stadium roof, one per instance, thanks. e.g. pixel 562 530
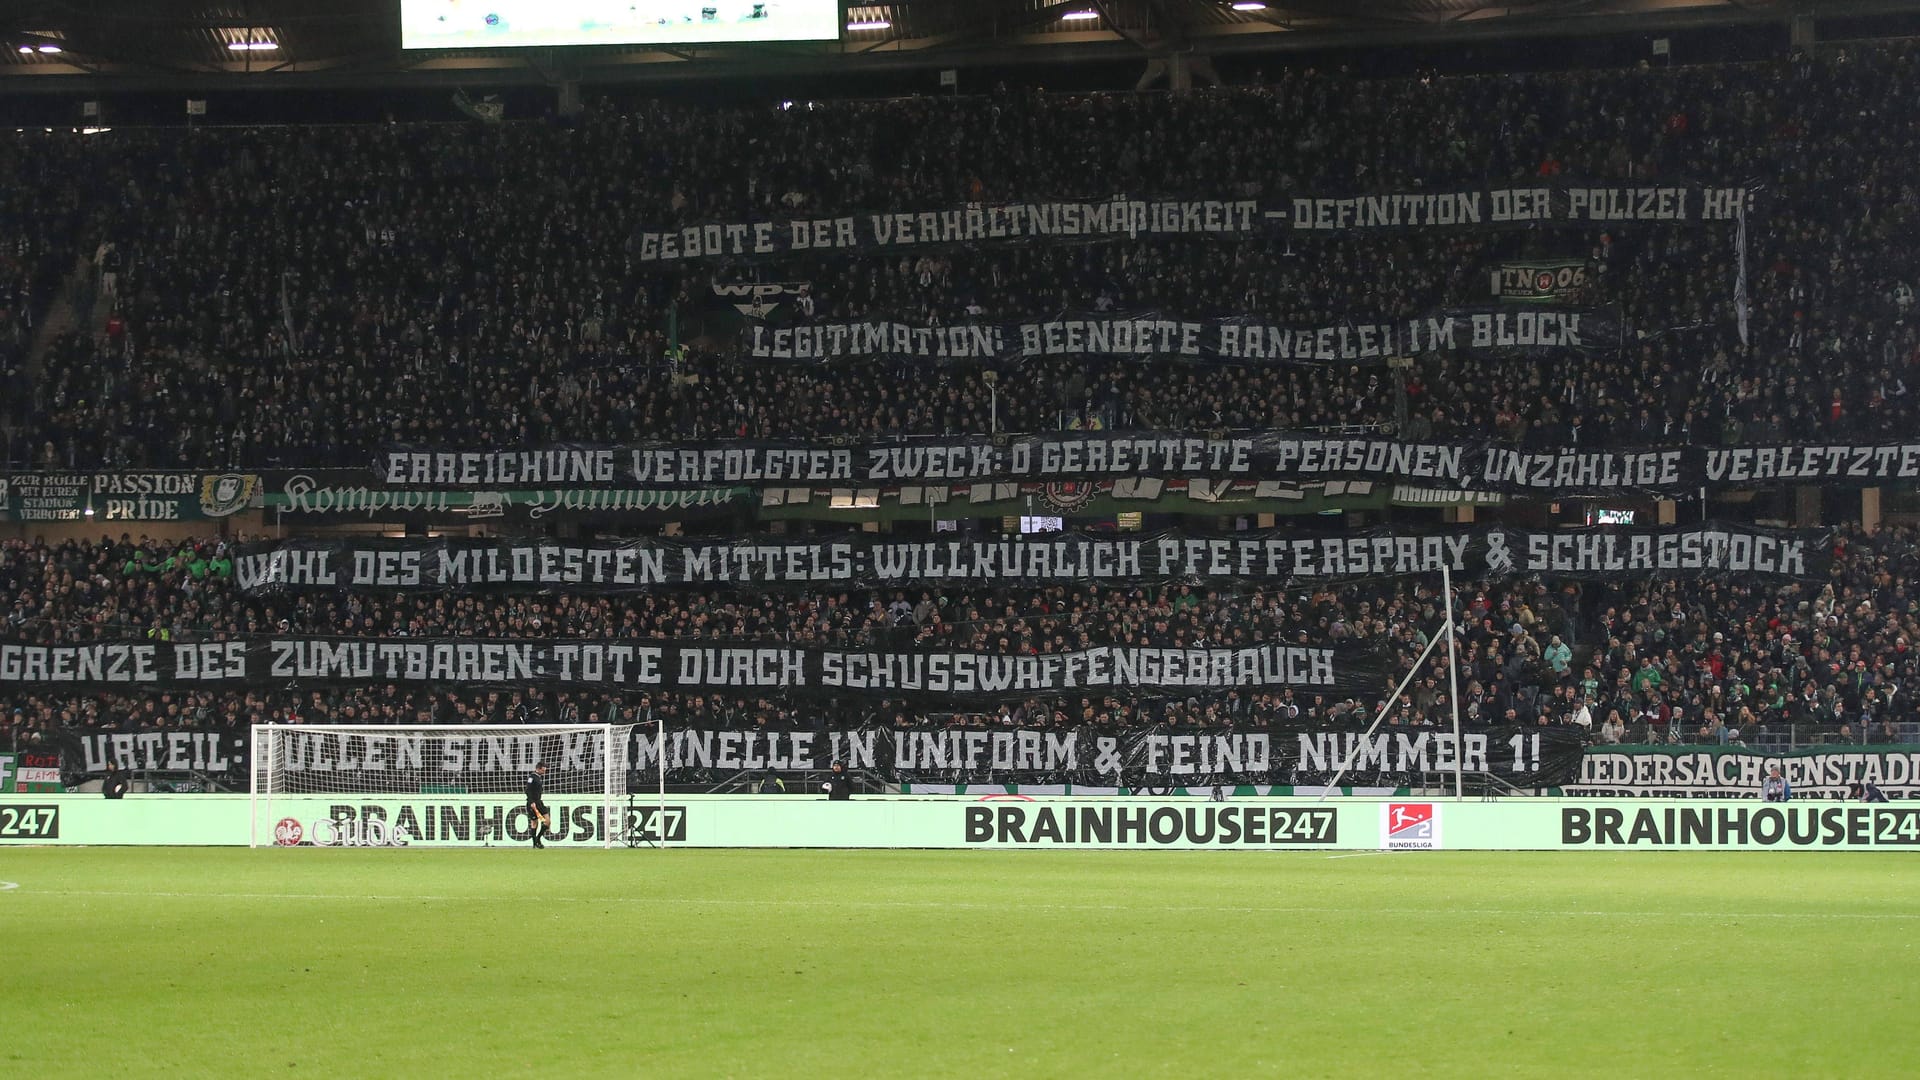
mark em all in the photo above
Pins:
pixel 80 44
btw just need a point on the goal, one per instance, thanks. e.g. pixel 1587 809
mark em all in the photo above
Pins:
pixel 297 769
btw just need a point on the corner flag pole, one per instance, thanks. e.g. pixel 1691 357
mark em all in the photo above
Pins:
pixel 1453 687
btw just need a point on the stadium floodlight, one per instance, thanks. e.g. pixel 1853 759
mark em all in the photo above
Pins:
pixel 1077 16
pixel 296 766
pixel 1249 5
pixel 438 24
pixel 49 48
pixel 870 24
pixel 253 46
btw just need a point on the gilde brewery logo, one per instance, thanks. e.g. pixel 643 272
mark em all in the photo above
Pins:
pixel 1410 825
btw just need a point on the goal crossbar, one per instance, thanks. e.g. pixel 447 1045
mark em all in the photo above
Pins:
pixel 307 761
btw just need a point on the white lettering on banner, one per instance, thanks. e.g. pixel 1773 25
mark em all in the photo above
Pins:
pixel 1396 752
pixel 498 662
pixel 1781 463
pixel 150 483
pixel 1695 549
pixel 981 673
pixel 1138 337
pixel 644 470
pixel 1239 339
pixel 575 500
pixel 1739 773
pixel 498 468
pixel 1207 755
pixel 1627 204
pixel 1526 328
pixel 1364 341
pixel 496 760
pixel 393 661
pixel 1121 455
pixel 305 495
pixel 1566 470
pixel 1121 216
pixel 1390 211
pixel 740 465
pixel 823 341
pixel 154 751
pixel 284 566
pixel 106 663
pixel 1335 457
pixel 931 462
pixel 452 565
pixel 742 667
pixel 971 223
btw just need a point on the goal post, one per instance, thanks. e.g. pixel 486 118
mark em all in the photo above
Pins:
pixel 587 762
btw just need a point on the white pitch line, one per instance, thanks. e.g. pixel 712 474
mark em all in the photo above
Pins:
pixel 1359 854
pixel 944 905
pixel 5 885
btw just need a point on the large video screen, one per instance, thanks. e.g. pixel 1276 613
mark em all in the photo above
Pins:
pixel 481 24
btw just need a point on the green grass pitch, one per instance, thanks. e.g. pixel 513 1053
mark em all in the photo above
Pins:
pixel 143 962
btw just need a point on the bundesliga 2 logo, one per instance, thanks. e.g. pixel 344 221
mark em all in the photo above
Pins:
pixel 1410 825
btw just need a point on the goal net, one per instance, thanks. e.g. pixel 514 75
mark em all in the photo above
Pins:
pixel 297 769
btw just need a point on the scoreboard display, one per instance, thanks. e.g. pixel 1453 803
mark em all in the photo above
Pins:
pixel 481 24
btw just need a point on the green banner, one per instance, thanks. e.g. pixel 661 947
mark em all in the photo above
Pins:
pixel 315 495
pixel 125 496
pixel 1736 771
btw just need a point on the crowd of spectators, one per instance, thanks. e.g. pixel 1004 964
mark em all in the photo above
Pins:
pixel 1679 659
pixel 41 220
pixel 297 296
pixel 302 296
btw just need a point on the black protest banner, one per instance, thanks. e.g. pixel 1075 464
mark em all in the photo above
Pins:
pixel 1147 757
pixel 1240 339
pixel 1557 204
pixel 455 564
pixel 716 666
pixel 44 496
pixel 1737 772
pixel 1133 757
pixel 1265 455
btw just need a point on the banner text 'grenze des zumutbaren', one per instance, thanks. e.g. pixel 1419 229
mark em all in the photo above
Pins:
pixel 704 666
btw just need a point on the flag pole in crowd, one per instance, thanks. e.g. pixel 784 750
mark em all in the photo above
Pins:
pixel 1353 748
pixel 1453 685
